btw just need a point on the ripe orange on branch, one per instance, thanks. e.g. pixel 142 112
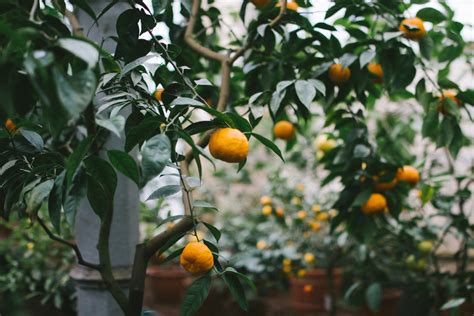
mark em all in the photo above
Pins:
pixel 447 94
pixel 338 74
pixel 382 186
pixel 375 204
pixel 11 127
pixel 377 71
pixel 229 145
pixel 290 5
pixel 196 258
pixel 158 94
pixel 413 28
pixel 284 130
pixel 408 174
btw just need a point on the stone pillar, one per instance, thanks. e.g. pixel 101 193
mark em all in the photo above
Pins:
pixel 92 297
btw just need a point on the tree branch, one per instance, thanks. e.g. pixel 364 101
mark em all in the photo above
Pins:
pixel 105 263
pixel 189 36
pixel 80 258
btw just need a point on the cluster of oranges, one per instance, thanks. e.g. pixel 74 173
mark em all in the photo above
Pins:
pixel 377 203
pixel 307 259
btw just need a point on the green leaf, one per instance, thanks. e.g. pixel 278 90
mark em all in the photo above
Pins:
pixel 214 231
pixel 196 295
pixel 430 124
pixel 169 219
pixel 243 277
pixel 76 158
pixel 204 204
pixel 431 15
pixel 75 92
pixel 452 303
pixel 114 124
pixel 101 185
pixel 305 92
pixel 55 202
pixel 164 191
pixel 155 155
pixel 33 138
pixel 36 196
pixel 134 64
pixel 373 296
pixel 426 46
pixel 361 151
pixel 236 289
pixel 366 57
pixel 81 49
pixel 362 197
pixel 124 163
pixel 186 101
pixel 269 144
pixel 466 96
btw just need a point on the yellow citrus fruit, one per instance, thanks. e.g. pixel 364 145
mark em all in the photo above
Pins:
pixel 261 244
pixel 308 258
pixel 333 212
pixel 287 262
pixel 377 71
pixel 425 246
pixel 301 214
pixel 280 211
pixel 375 204
pixel 265 200
pixel 296 201
pixel 316 208
pixel 413 28
pixel 382 186
pixel 287 269
pixel 322 217
pixel 421 264
pixel 196 258
pixel 315 226
pixel 447 94
pixel 408 174
pixel 260 3
pixel 322 143
pixel 411 262
pixel 30 246
pixel 266 210
pixel 301 273
pixel 229 145
pixel 292 6
pixel 339 74
pixel 308 288
pixel 11 127
pixel 159 93
pixel 284 130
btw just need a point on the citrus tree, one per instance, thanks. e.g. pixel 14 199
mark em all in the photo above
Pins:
pixel 78 95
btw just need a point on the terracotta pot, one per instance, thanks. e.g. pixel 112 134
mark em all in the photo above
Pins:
pixel 165 284
pixel 388 304
pixel 311 293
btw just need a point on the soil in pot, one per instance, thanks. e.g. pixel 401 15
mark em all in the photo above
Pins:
pixel 165 284
pixel 312 293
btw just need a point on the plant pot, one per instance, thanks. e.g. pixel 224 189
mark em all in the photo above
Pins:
pixel 388 304
pixel 311 293
pixel 165 284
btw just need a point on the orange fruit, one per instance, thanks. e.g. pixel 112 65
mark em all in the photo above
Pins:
pixel 289 5
pixel 260 3
pixel 229 145
pixel 377 71
pixel 301 215
pixel 339 74
pixel 308 288
pixel 266 210
pixel 382 186
pixel 301 273
pixel 407 27
pixel 11 127
pixel 261 244
pixel 308 258
pixel 447 94
pixel 315 226
pixel 375 204
pixel 158 94
pixel 322 217
pixel 196 258
pixel 280 211
pixel 284 130
pixel 408 174
pixel 265 200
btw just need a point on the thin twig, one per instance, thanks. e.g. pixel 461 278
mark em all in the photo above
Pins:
pixel 80 258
